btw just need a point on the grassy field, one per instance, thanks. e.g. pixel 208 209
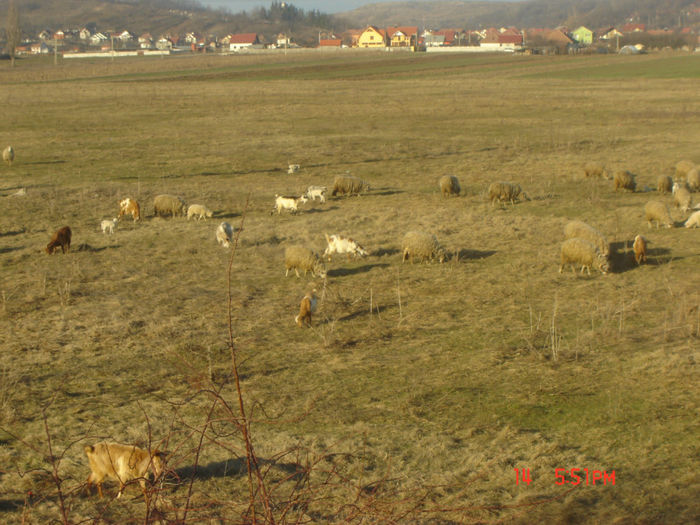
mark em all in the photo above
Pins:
pixel 420 388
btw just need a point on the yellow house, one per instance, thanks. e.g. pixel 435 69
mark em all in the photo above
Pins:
pixel 372 37
pixel 402 36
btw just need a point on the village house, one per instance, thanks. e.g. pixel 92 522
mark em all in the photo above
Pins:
pixel 582 35
pixel 330 42
pixel 504 40
pixel 242 41
pixel 84 33
pixel 402 36
pixel 146 41
pixel 97 39
pixel 372 37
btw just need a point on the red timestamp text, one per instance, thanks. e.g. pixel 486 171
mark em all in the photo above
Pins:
pixel 579 476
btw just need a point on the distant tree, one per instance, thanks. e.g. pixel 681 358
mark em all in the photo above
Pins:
pixel 13 32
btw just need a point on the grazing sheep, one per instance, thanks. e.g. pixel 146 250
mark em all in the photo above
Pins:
pixel 61 237
pixel 293 168
pixel 664 184
pixel 692 178
pixel 306 308
pixel 449 185
pixel 624 180
pixel 8 155
pixel 302 258
pixel 287 203
pixel 199 211
pixel 131 207
pixel 422 245
pixel 316 191
pixel 224 234
pixel 693 221
pixel 584 231
pixel 595 170
pixel 657 211
pixel 682 169
pixel 681 197
pixel 345 184
pixel 505 192
pixel 339 244
pixel 164 205
pixel 122 463
pixel 579 251
pixel 108 225
pixel 640 249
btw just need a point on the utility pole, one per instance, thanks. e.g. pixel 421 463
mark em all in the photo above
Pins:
pixel 55 50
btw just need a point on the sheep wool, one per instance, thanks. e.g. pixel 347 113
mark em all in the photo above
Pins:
pixel 345 184
pixel 657 211
pixel 595 170
pixel 581 252
pixel 449 185
pixel 693 221
pixel 640 249
pixel 584 231
pixel 421 245
pixel 505 192
pixel 682 198
pixel 624 180
pixel 164 205
pixel 664 184
pixel 198 211
pixel 299 257
pixel 682 169
pixel 8 155
pixel 693 179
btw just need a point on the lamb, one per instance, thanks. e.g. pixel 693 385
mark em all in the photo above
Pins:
pixel 505 192
pixel 122 463
pixel 579 251
pixel 640 249
pixel 595 170
pixel 224 234
pixel 108 225
pixel 624 180
pixel 694 220
pixel 316 191
pixel 293 168
pixel 664 184
pixel 657 211
pixel 302 258
pixel 340 244
pixel 61 237
pixel 681 197
pixel 131 207
pixel 584 231
pixel 287 203
pixel 8 155
pixel 423 245
pixel 345 184
pixel 306 308
pixel 449 185
pixel 199 211
pixel 164 205
pixel 682 169
pixel 693 179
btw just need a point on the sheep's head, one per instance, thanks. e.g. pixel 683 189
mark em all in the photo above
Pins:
pixel 602 263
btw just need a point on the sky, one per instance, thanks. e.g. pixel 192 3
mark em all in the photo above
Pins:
pixel 325 6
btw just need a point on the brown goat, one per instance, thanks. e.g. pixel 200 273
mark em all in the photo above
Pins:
pixel 123 463
pixel 61 237
pixel 131 207
pixel 640 249
pixel 306 308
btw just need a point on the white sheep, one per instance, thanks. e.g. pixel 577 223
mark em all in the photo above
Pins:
pixel 585 231
pixel 287 203
pixel 165 204
pixel 198 211
pixel 693 179
pixel 581 252
pixel 681 197
pixel 422 245
pixel 624 180
pixel 345 184
pixel 302 258
pixel 657 211
pixel 316 191
pixel 664 184
pixel 595 170
pixel 293 168
pixel 8 155
pixel 224 234
pixel 505 192
pixel 694 220
pixel 682 169
pixel 108 225
pixel 449 185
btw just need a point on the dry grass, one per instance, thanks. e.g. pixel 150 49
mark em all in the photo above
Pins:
pixel 425 384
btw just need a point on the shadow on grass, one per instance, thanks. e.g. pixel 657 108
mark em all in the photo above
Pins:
pixel 474 254
pixel 13 233
pixel 44 162
pixel 622 260
pixel 376 309
pixel 9 249
pixel 318 210
pixel 11 504
pixel 340 272
pixel 231 467
pixel 229 215
pixel 385 251
pixel 85 247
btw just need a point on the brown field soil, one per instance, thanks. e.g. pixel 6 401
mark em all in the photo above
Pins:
pixel 420 388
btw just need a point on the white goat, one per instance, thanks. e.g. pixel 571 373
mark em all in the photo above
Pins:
pixel 316 191
pixel 108 225
pixel 339 244
pixel 287 203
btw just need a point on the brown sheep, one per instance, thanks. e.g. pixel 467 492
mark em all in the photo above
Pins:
pixel 624 180
pixel 640 249
pixel 61 237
